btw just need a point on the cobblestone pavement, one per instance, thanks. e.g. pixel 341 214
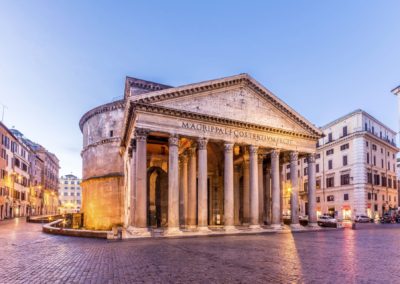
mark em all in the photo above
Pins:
pixel 370 254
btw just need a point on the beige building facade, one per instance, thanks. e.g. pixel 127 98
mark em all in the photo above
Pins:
pixel 193 157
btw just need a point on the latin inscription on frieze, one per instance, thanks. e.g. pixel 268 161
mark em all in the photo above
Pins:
pixel 235 133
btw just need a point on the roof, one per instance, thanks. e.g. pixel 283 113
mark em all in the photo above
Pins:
pixel 357 111
pixel 396 91
pixel 146 86
pixel 191 89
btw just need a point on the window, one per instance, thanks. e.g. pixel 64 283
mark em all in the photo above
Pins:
pixel 317 168
pixel 381 150
pixel 72 182
pixel 318 184
pixel 390 198
pixel 369 196
pixel 367 144
pixel 287 176
pixel 330 165
pixel 305 171
pixel 376 197
pixel 345 196
pixel 305 186
pixel 330 198
pixel 329 152
pixel 78 194
pixel 318 156
pixel 345 131
pixel 369 178
pixel 72 194
pixel 377 180
pixel 330 182
pixel 111 133
pixel 376 207
pixel 65 182
pixel 384 181
pixel 366 127
pixel 388 166
pixel 17 163
pixel 374 161
pixel 288 166
pixel 389 182
pixel 374 147
pixel 318 199
pixel 383 198
pixel 345 179
pixel 367 158
pixel 373 130
pixel 344 160
pixel 344 147
pixel 330 137
pixel 382 163
pixel 65 193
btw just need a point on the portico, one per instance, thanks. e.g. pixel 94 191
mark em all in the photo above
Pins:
pixel 209 154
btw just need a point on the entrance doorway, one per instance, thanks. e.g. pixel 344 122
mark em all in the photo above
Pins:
pixel 157 196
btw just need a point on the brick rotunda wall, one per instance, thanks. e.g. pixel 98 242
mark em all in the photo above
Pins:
pixel 102 165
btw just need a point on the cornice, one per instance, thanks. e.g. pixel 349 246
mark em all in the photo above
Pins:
pixel 242 79
pixel 156 109
pixel 354 135
pixel 101 109
pixel 101 142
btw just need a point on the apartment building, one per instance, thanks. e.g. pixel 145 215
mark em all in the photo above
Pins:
pixel 70 194
pixel 355 168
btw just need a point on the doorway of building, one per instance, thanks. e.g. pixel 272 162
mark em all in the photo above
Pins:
pixel 157 196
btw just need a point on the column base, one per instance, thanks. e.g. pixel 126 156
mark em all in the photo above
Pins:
pixel 230 229
pixel 255 227
pixel 276 227
pixel 203 229
pixel 173 231
pixel 138 232
pixel 296 227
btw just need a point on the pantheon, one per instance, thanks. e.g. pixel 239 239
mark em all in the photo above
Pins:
pixel 194 158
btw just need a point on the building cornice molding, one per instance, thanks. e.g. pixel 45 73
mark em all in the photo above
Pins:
pixel 355 135
pixel 101 109
pixel 135 107
pixel 243 80
pixel 101 142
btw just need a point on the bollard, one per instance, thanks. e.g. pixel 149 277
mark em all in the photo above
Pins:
pixel 353 226
pixel 119 233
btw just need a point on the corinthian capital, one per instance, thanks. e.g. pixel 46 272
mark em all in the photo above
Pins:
pixel 253 150
pixel 141 134
pixel 173 140
pixel 275 154
pixel 202 143
pixel 311 158
pixel 228 147
pixel 294 156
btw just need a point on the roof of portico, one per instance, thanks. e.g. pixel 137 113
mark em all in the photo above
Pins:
pixel 149 98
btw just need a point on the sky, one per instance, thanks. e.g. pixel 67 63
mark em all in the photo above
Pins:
pixel 59 59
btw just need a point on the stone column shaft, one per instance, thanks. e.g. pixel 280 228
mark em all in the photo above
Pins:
pixel 228 187
pixel 294 195
pixel 254 204
pixel 192 188
pixel 183 191
pixel 275 183
pixel 260 190
pixel 173 184
pixel 268 196
pixel 202 183
pixel 246 191
pixel 312 213
pixel 132 183
pixel 141 179
pixel 236 185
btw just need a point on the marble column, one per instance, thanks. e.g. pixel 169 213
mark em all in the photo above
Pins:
pixel 202 183
pixel 246 190
pixel 173 185
pixel 132 183
pixel 312 213
pixel 183 190
pixel 294 194
pixel 268 196
pixel 254 204
pixel 228 187
pixel 275 184
pixel 141 179
pixel 260 190
pixel 236 195
pixel 192 188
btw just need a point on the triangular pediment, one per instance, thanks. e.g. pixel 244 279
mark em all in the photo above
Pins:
pixel 238 98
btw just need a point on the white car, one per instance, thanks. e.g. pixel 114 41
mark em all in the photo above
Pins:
pixel 362 219
pixel 327 221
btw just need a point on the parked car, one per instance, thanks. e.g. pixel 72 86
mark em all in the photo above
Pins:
pixel 363 219
pixel 387 219
pixel 327 221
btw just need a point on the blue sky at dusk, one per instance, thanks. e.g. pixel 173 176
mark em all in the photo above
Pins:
pixel 59 59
